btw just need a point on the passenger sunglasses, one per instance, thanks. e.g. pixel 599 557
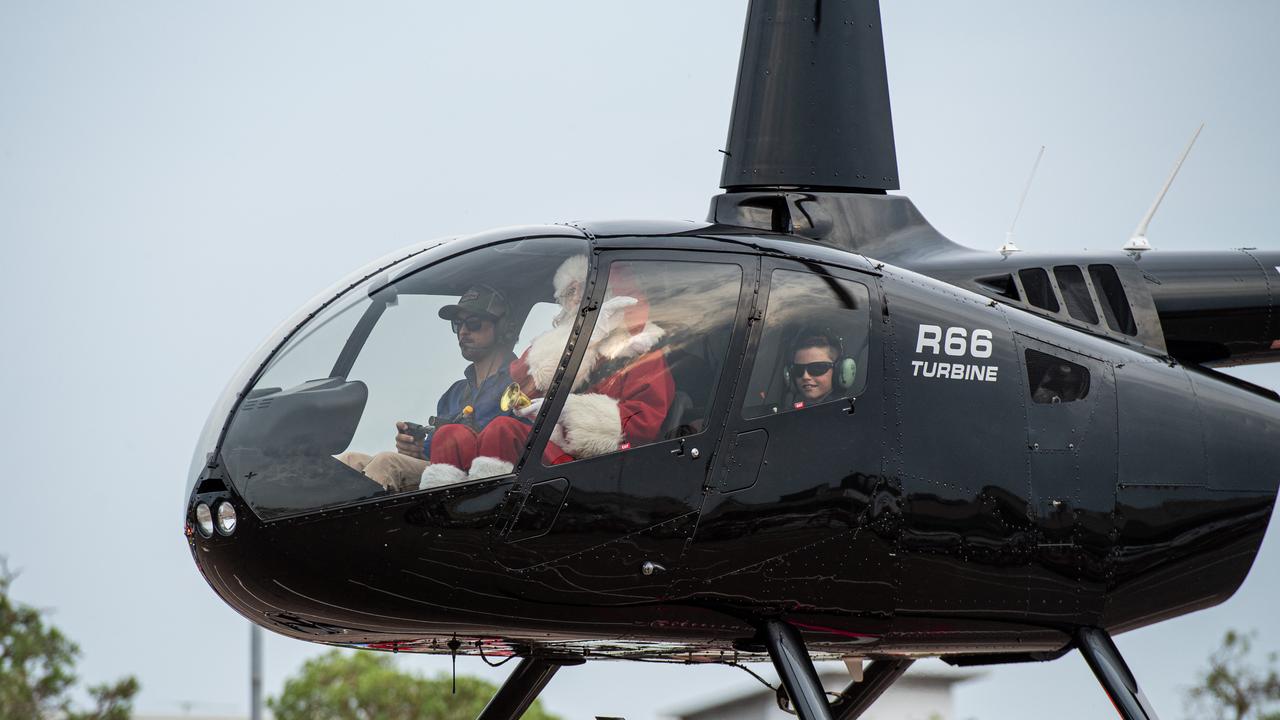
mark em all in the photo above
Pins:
pixel 815 369
pixel 474 324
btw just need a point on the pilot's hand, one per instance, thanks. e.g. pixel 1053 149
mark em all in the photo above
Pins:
pixel 530 410
pixel 407 444
pixel 611 315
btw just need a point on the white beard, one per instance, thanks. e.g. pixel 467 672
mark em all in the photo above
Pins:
pixel 544 355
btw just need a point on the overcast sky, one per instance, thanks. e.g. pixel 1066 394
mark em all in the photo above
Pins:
pixel 177 177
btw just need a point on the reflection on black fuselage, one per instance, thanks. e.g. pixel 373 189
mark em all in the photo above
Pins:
pixel 916 518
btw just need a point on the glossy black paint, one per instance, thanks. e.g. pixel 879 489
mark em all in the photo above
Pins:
pixel 928 516
pixel 1217 307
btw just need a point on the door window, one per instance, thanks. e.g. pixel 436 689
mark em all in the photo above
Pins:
pixel 655 356
pixel 1052 380
pixel 813 349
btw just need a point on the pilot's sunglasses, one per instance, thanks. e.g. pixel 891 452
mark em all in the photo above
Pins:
pixel 815 369
pixel 474 324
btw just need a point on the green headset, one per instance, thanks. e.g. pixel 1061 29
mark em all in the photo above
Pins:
pixel 844 368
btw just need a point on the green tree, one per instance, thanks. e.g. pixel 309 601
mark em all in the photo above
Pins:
pixel 1233 688
pixel 37 668
pixel 367 685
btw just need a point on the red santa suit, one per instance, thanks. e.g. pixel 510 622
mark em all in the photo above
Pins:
pixel 620 397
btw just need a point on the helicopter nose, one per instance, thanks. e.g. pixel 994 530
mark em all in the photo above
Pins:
pixel 409 560
pixel 307 503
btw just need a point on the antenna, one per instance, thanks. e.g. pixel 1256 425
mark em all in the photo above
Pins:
pixel 1008 247
pixel 1138 243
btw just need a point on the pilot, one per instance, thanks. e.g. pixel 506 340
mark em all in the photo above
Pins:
pixel 477 320
pixel 811 371
pixel 620 397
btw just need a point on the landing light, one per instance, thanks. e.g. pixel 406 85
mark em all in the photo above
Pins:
pixel 204 520
pixel 226 518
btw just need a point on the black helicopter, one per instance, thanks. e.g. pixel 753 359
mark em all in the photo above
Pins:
pixel 811 427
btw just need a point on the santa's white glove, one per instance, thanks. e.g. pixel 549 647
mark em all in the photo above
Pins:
pixel 530 410
pixel 610 316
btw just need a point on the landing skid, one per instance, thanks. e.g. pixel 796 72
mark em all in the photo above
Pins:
pixel 800 679
pixel 787 650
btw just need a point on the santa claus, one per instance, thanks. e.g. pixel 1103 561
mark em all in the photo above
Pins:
pixel 619 398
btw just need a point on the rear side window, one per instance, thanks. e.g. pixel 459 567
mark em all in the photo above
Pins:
pixel 1052 380
pixel 1035 281
pixel 1076 293
pixel 1115 304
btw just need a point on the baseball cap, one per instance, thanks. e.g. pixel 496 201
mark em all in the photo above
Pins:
pixel 478 300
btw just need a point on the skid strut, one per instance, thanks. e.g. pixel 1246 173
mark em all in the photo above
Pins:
pixel 1109 667
pixel 522 687
pixel 857 698
pixel 791 660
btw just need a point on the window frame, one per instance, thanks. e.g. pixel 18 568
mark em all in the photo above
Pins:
pixel 532 469
pixel 867 371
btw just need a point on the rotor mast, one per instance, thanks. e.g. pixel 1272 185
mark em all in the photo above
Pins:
pixel 811 107
pixel 811 148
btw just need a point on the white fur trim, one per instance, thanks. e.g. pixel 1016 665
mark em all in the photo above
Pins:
pixel 575 268
pixel 487 467
pixel 440 474
pixel 591 425
pixel 585 369
pixel 610 338
pixel 557 435
pixel 544 355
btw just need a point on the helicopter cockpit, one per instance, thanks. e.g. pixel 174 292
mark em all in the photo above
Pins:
pixel 389 350
pixel 434 371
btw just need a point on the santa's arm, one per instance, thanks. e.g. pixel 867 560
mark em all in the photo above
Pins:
pixel 597 423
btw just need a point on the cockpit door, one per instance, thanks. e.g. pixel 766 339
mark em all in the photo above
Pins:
pixel 612 490
pixel 797 493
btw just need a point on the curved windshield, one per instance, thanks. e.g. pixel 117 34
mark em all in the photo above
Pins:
pixel 383 390
pixel 226 400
